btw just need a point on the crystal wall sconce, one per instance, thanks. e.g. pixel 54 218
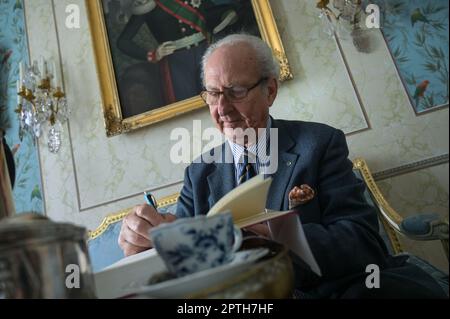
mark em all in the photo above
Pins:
pixel 41 103
pixel 343 18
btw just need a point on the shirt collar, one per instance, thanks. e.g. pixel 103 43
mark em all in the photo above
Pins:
pixel 260 148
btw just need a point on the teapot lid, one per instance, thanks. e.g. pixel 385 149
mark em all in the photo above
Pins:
pixel 24 229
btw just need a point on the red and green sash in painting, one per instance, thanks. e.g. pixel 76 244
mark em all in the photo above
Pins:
pixel 185 13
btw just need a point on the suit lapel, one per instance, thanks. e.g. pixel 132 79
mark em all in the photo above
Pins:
pixel 286 163
pixel 222 179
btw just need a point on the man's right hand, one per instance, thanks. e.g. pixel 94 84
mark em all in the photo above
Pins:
pixel 134 235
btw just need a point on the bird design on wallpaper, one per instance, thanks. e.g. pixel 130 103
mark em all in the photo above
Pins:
pixel 420 91
pixel 18 5
pixel 36 193
pixel 417 15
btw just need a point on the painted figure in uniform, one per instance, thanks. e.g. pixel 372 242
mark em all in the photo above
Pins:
pixel 183 31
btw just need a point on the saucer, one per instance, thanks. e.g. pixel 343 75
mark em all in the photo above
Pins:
pixel 189 284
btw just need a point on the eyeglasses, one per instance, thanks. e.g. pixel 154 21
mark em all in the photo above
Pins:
pixel 233 94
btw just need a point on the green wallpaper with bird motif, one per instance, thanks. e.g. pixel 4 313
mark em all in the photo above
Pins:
pixel 13 49
pixel 416 32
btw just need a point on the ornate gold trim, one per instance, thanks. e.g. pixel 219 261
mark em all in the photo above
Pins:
pixel 285 69
pixel 114 122
pixel 393 238
pixel 116 217
pixel 163 113
pixel 168 200
pixel 108 220
pixel 269 32
pixel 390 218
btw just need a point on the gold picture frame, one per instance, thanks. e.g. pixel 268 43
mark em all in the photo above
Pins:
pixel 115 123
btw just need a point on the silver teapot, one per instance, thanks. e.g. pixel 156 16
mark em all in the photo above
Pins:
pixel 6 197
pixel 40 258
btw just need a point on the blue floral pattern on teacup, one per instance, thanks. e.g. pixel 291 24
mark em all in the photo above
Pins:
pixel 193 244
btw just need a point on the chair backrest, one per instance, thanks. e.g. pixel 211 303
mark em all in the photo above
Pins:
pixel 104 249
pixel 389 218
pixel 393 245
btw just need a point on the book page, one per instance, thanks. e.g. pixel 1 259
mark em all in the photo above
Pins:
pixel 133 258
pixel 247 206
pixel 246 200
pixel 289 232
pixel 127 274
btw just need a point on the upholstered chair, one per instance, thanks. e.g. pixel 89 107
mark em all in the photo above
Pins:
pixel 104 249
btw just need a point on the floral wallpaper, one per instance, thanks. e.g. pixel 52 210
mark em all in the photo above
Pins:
pixel 416 32
pixel 13 49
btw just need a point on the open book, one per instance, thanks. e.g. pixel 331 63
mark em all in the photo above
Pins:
pixel 247 206
pixel 247 203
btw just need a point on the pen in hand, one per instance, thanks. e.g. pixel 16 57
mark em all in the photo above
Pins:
pixel 150 199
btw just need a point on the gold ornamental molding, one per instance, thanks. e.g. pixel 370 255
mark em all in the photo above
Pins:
pixel 390 219
pixel 118 216
pixel 285 70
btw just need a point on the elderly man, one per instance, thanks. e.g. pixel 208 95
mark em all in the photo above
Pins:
pixel 240 78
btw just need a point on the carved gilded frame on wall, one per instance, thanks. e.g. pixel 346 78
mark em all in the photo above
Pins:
pixel 114 122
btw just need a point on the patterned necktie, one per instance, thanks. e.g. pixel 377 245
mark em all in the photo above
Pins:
pixel 246 169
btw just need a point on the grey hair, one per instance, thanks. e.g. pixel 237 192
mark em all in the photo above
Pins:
pixel 268 65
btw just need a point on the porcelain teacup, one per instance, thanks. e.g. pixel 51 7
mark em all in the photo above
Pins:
pixel 193 244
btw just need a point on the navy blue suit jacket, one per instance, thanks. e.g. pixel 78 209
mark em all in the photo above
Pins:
pixel 341 228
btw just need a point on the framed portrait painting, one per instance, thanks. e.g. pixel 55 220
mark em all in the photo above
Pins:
pixel 148 52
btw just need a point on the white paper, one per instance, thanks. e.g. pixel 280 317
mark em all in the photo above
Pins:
pixel 133 258
pixel 288 230
pixel 127 274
